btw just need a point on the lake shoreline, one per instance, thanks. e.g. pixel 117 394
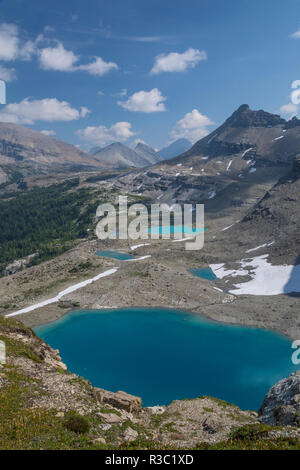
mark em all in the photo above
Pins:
pixel 204 344
pixel 41 317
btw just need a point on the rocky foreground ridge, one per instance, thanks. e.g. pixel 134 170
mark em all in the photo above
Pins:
pixel 43 406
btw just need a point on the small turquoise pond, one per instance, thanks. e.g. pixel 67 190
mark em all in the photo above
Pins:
pixel 204 273
pixel 114 254
pixel 175 229
pixel 162 355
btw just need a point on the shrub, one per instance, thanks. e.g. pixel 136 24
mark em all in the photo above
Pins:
pixel 250 432
pixel 76 423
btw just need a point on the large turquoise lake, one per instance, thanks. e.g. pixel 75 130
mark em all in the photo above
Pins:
pixel 162 355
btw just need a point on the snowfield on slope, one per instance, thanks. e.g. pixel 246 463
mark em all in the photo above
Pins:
pixel 267 279
pixel 70 289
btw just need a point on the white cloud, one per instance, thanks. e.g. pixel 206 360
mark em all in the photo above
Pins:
pixel 296 34
pixel 99 67
pixel 49 133
pixel 139 141
pixel 100 93
pixel 28 50
pixel 193 126
pixel 8 75
pixel 102 135
pixel 60 59
pixel 49 109
pixel 54 57
pixel 9 42
pixel 290 109
pixel 12 47
pixel 57 58
pixel 176 62
pixel 145 102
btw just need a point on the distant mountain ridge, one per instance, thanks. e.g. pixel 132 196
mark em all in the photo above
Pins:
pixel 175 148
pixel 119 156
pixel 24 151
pixel 148 153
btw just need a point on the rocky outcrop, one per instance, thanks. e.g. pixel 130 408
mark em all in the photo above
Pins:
pixel 18 265
pixel 121 400
pixel 245 117
pixel 281 405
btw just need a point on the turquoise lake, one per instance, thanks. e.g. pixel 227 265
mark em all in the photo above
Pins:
pixel 162 355
pixel 204 273
pixel 114 254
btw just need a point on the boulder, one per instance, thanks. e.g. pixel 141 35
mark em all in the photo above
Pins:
pixel 120 400
pixel 281 405
pixel 130 435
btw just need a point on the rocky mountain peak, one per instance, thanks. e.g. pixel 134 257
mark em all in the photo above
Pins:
pixel 246 117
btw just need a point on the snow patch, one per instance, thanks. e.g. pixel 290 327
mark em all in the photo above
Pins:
pixel 212 138
pixel 267 279
pixel 229 165
pixel 138 259
pixel 134 247
pixel 63 293
pixel 246 151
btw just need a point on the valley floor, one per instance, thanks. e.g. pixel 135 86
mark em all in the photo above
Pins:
pixel 161 278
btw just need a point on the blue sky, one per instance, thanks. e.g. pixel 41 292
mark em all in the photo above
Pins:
pixel 93 72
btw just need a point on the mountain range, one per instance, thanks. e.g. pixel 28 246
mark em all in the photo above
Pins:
pixel 119 156
pixel 25 152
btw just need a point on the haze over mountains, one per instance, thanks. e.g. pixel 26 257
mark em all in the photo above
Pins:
pixel 175 148
pixel 118 156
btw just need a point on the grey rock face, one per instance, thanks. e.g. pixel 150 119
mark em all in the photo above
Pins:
pixel 119 400
pixel 281 405
pixel 148 153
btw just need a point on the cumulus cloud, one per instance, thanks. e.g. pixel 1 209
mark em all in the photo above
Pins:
pixel 102 135
pixel 12 47
pixel 176 62
pixel 48 109
pixel 49 133
pixel 53 57
pixel 193 126
pixel 60 59
pixel 98 67
pixel 6 74
pixel 145 102
pixel 9 42
pixel 289 109
pixel 57 58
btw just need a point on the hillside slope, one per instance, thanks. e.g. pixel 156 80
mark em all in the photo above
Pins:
pixel 26 151
pixel 43 406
